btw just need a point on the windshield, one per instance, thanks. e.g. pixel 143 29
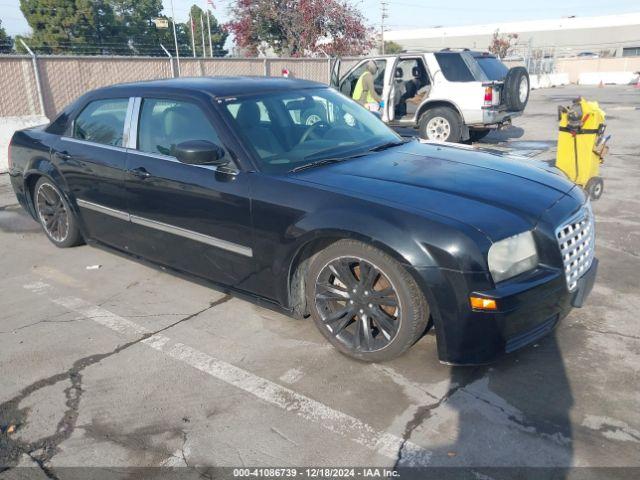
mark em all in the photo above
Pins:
pixel 292 129
pixel 492 67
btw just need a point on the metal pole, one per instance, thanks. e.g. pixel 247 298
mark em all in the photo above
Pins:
pixel 36 74
pixel 204 50
pixel 383 15
pixel 209 28
pixel 193 35
pixel 175 37
pixel 173 73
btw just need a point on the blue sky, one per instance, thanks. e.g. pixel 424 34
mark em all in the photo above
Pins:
pixel 408 13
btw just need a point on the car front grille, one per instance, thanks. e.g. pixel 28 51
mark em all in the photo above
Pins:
pixel 577 245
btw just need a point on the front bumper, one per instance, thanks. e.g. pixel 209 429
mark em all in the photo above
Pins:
pixel 529 307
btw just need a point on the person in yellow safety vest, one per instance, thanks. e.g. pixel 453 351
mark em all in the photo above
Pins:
pixel 365 93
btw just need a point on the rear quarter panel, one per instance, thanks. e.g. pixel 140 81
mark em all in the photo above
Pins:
pixel 31 158
pixel 467 96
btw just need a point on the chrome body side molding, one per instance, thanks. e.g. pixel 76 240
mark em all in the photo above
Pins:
pixel 165 227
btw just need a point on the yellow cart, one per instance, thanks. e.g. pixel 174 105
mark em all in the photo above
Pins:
pixel 582 144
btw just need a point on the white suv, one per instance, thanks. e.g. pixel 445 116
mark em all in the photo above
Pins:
pixel 447 95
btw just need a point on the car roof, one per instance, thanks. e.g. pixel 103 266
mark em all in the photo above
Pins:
pixel 215 86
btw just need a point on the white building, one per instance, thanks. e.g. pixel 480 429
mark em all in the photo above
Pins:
pixel 615 35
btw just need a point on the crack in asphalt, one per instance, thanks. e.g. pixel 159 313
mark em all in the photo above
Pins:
pixel 44 449
pixel 38 323
pixel 607 332
pixel 424 412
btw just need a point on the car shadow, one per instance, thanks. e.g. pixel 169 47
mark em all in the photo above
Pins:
pixel 503 135
pixel 509 420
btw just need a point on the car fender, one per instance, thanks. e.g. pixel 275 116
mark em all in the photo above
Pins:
pixel 388 231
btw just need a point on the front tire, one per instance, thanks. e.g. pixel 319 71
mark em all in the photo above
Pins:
pixel 364 302
pixel 55 216
pixel 441 124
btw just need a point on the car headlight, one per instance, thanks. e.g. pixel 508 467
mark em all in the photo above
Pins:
pixel 512 256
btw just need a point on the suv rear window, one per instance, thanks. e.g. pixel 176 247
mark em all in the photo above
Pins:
pixel 454 67
pixel 492 67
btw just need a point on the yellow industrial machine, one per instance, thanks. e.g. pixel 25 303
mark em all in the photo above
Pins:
pixel 582 144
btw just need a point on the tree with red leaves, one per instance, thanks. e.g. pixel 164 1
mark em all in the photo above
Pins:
pixel 300 27
pixel 501 44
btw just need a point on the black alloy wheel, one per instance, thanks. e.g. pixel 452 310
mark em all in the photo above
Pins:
pixel 358 304
pixel 54 215
pixel 365 303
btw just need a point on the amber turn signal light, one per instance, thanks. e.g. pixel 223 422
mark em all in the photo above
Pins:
pixel 478 303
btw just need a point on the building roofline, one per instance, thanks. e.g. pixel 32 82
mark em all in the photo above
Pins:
pixel 602 21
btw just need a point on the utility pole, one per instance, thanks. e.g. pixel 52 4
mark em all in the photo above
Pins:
pixel 175 37
pixel 193 36
pixel 383 15
pixel 204 50
pixel 209 29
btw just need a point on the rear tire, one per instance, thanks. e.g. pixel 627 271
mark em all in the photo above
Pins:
pixel 55 216
pixel 441 124
pixel 364 302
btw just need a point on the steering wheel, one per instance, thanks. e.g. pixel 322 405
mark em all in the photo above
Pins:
pixel 311 130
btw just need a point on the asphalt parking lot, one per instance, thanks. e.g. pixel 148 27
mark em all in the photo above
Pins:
pixel 127 365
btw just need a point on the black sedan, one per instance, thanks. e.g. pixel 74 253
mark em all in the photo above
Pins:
pixel 288 192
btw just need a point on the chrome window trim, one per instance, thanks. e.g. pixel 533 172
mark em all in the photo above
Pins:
pixel 165 227
pixel 169 158
pixel 93 144
pixel 133 124
pixel 127 123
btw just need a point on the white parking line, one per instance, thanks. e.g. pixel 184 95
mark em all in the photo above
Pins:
pixel 386 444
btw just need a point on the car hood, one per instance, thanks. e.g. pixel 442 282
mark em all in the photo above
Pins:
pixel 497 194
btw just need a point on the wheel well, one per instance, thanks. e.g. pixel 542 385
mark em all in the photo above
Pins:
pixel 298 272
pixel 30 185
pixel 438 103
pixel 300 265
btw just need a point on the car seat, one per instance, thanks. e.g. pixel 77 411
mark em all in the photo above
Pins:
pixel 261 136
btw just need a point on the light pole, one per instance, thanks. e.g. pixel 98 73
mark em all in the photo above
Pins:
pixel 175 36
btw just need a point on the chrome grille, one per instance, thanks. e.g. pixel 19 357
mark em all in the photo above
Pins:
pixel 577 245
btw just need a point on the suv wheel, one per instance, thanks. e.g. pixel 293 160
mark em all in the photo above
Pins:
pixel 441 124
pixel 364 302
pixel 595 187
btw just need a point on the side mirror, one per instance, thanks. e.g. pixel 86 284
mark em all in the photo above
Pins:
pixel 200 152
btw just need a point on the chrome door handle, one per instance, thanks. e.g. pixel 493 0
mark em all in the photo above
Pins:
pixel 140 172
pixel 63 155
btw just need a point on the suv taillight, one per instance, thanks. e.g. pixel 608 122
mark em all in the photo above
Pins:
pixel 488 96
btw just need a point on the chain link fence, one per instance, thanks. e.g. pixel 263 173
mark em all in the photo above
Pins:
pixel 62 79
pixel 18 89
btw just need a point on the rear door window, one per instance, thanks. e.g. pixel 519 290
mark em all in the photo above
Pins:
pixel 453 67
pixel 102 121
pixel 492 67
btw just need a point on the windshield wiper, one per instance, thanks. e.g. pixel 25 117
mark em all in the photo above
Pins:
pixel 387 145
pixel 324 161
